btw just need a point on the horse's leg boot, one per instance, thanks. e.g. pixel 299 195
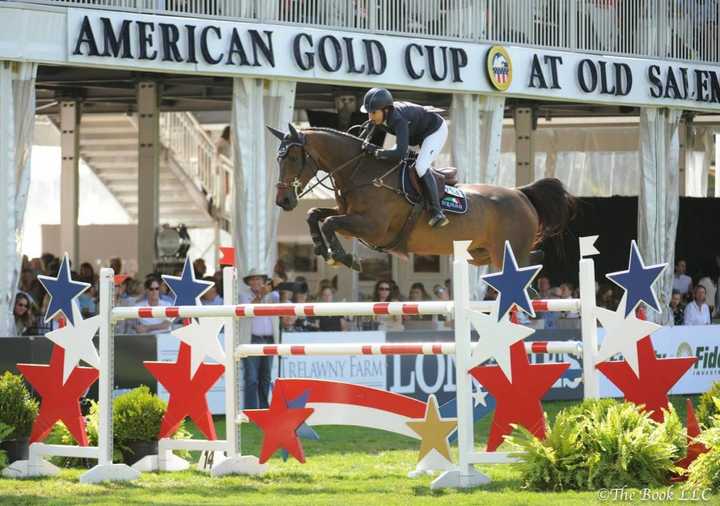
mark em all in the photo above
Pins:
pixel 437 217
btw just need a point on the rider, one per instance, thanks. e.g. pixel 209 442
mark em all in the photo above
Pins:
pixel 414 125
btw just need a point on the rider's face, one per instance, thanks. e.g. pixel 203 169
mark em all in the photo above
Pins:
pixel 376 117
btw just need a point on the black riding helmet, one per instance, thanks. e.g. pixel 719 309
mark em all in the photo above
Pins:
pixel 376 99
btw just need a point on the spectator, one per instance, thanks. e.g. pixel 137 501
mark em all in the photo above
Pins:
pixel 300 296
pixel 697 312
pixel 257 370
pixel 383 292
pixel 199 268
pixel 677 308
pixel 330 323
pixel 211 297
pixel 116 265
pixel 322 285
pixel 151 299
pixel 543 287
pixel 606 298
pixel 566 292
pixel 286 291
pixel 23 314
pixel 418 293
pixel 681 281
pixel 223 146
pixel 490 293
pixel 710 291
pixel 87 273
pixel 448 287
pixel 440 292
pixel 165 294
pixel 87 301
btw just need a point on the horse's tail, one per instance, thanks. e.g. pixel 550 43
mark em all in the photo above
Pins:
pixel 555 207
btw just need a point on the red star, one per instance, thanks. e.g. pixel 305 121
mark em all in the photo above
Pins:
pixel 518 402
pixel 228 256
pixel 657 376
pixel 187 396
pixel 694 449
pixel 279 425
pixel 59 402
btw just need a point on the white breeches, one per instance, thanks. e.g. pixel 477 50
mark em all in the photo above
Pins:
pixel 430 149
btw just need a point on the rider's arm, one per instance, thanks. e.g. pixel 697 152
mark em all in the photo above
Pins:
pixel 367 130
pixel 399 151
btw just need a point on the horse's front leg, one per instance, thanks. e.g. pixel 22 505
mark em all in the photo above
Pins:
pixel 314 217
pixel 354 225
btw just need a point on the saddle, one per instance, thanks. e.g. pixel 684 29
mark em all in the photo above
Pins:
pixel 446 176
pixel 452 199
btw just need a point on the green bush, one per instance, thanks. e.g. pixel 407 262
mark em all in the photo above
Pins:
pixel 137 415
pixel 5 431
pixel 707 408
pixel 18 408
pixel 704 472
pixel 601 444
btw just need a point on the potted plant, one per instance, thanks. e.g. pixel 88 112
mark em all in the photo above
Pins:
pixel 137 415
pixel 18 410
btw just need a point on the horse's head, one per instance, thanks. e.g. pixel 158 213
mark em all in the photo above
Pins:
pixel 295 171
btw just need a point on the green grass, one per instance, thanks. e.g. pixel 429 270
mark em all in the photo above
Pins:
pixel 347 466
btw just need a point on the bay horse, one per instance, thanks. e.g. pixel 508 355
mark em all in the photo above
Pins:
pixel 372 207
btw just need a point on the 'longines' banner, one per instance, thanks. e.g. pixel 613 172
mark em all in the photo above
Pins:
pixel 171 44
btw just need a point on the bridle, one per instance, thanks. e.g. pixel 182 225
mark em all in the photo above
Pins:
pixel 296 183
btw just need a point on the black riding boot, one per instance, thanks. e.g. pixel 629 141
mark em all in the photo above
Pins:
pixel 437 218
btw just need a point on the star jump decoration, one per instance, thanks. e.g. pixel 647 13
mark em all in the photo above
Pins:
pixel 63 291
pixel 643 378
pixel 186 288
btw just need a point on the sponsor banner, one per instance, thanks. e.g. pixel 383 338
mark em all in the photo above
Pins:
pixel 367 370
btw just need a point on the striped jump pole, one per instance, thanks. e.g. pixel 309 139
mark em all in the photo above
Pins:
pixel 429 348
pixel 326 309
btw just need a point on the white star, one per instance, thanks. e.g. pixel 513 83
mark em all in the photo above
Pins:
pixel 77 341
pixel 479 395
pixel 202 337
pixel 622 334
pixel 495 339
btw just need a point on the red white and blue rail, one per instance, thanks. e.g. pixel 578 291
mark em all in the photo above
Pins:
pixel 428 348
pixel 326 309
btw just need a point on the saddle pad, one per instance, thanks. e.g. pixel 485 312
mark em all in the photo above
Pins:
pixel 453 201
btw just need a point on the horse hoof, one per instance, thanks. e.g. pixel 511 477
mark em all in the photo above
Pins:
pixel 331 262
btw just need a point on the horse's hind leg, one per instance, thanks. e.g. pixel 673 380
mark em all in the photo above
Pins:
pixel 480 256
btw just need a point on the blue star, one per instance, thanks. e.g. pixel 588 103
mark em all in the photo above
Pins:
pixel 304 431
pixel 511 284
pixel 63 291
pixel 186 288
pixel 637 281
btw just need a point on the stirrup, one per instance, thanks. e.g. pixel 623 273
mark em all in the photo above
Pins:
pixel 438 220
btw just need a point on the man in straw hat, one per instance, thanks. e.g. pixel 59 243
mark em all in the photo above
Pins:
pixel 257 369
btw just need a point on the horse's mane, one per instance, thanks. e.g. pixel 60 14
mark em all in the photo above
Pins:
pixel 333 131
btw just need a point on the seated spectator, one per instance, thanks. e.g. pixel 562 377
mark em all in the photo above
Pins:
pixel 566 292
pixel 330 323
pixel 384 292
pixel 87 301
pixel 543 287
pixel 152 298
pixel 677 308
pixel 681 281
pixel 300 296
pixel 211 297
pixel 418 293
pixel 606 298
pixel 116 265
pixel 286 291
pixel 199 268
pixel 87 273
pixel 23 314
pixel 440 292
pixel 697 312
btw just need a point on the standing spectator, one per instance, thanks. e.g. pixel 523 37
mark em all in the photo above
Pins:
pixel 87 273
pixel 383 292
pixel 257 370
pixel 286 291
pixel 677 308
pixel 211 297
pixel 23 314
pixel 300 296
pixel 440 292
pixel 681 281
pixel 710 291
pixel 223 146
pixel 606 298
pixel 152 298
pixel 330 323
pixel 697 312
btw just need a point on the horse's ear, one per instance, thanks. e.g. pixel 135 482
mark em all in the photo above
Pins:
pixel 293 132
pixel 277 133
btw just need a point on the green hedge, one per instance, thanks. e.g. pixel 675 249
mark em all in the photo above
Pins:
pixel 18 409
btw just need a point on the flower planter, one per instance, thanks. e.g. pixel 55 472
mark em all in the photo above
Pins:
pixel 16 449
pixel 136 450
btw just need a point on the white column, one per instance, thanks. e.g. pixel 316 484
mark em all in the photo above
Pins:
pixel 717 165
pixel 70 179
pixel 659 203
pixel 148 174
pixel 684 149
pixel 524 146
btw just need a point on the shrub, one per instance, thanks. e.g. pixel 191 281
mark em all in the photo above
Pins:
pixel 5 431
pixel 704 472
pixel 601 444
pixel 707 408
pixel 18 408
